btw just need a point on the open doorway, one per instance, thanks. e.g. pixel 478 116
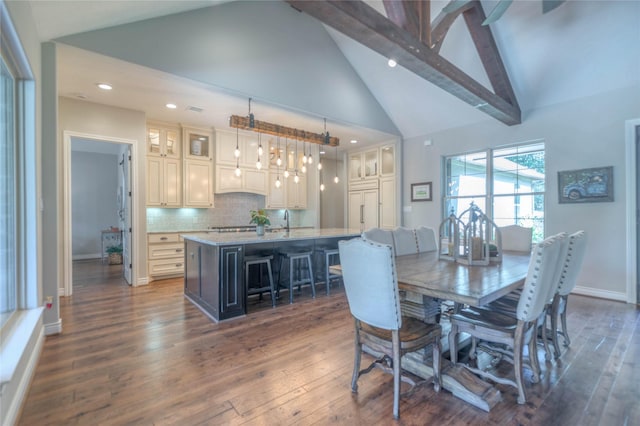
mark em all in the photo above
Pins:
pixel 98 208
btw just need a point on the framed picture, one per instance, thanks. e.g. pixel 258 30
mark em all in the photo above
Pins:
pixel 585 185
pixel 421 191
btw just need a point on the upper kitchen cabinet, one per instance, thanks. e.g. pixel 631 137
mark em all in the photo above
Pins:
pixel 387 160
pixel 164 182
pixel 227 142
pixel 197 143
pixel 363 165
pixel 163 140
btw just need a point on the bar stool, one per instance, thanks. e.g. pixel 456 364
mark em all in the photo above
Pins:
pixel 331 257
pixel 299 262
pixel 260 261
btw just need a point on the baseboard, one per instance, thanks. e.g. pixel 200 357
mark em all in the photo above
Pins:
pixel 599 293
pixel 86 256
pixel 61 292
pixel 142 281
pixel 53 328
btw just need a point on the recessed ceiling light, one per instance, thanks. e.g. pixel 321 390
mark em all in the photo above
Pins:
pixel 171 106
pixel 354 141
pixel 392 63
pixel 105 86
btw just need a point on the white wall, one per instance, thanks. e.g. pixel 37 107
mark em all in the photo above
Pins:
pixel 94 184
pixel 584 133
pixel 104 122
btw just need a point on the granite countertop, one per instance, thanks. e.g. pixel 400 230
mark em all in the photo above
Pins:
pixel 229 238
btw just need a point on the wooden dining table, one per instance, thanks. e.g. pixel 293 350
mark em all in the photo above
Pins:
pixel 426 276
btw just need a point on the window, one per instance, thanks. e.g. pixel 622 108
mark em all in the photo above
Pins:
pixel 509 188
pixel 8 282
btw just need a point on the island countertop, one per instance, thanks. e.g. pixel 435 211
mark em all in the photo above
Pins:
pixel 242 238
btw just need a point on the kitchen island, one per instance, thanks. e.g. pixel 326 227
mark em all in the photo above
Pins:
pixel 214 263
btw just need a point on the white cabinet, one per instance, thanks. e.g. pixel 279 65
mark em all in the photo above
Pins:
pixel 387 160
pixel 363 209
pixel 276 197
pixel 163 140
pixel 198 183
pixel 387 203
pixel 197 143
pixel 165 253
pixel 254 181
pixel 363 165
pixel 164 183
pixel 296 193
pixel 247 144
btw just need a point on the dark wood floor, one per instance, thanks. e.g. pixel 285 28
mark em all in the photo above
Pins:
pixel 146 356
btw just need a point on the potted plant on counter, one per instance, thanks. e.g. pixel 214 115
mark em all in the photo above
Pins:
pixel 260 218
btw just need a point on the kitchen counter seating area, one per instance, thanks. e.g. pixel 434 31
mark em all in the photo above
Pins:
pixel 214 264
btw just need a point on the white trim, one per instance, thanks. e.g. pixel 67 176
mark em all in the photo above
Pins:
pixel 599 293
pixel 142 281
pixel 95 256
pixel 630 195
pixel 67 256
pixel 53 328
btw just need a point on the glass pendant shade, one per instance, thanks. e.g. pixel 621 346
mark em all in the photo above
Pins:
pixel 304 169
pixel 296 178
pixel 286 173
pixel 336 179
pixel 322 187
pixel 278 183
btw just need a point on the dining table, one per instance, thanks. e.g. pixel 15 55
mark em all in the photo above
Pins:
pixel 427 277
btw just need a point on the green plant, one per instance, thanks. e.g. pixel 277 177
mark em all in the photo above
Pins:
pixel 114 249
pixel 259 217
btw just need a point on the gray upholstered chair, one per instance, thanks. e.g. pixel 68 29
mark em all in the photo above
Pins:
pixel 404 240
pixel 379 235
pixel 516 238
pixel 426 238
pixel 371 285
pixel 576 247
pixel 514 332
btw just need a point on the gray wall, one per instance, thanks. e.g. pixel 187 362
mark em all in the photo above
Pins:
pixel 588 132
pixel 94 184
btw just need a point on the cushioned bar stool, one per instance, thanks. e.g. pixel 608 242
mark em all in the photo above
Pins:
pixel 260 261
pixel 331 257
pixel 300 270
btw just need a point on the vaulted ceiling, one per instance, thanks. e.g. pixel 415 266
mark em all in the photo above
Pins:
pixel 300 71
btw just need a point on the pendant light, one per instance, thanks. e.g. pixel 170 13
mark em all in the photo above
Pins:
pixel 278 162
pixel 336 179
pixel 286 158
pixel 296 178
pixel 278 159
pixel 321 182
pixel 238 172
pixel 259 163
pixel 304 153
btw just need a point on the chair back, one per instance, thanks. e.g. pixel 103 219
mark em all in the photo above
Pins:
pixel 542 271
pixel 563 240
pixel 404 240
pixel 371 283
pixel 378 235
pixel 577 244
pixel 516 238
pixel 426 238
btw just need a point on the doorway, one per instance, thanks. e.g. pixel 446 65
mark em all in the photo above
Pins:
pixel 632 196
pixel 98 208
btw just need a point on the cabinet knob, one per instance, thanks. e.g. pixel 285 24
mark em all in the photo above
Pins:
pixel 178 250
pixel 163 238
pixel 178 265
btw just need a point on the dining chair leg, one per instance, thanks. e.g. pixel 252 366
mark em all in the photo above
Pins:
pixel 395 338
pixel 437 362
pixel 453 345
pixel 517 363
pixel 545 341
pixel 554 325
pixel 563 319
pixel 533 357
pixel 356 360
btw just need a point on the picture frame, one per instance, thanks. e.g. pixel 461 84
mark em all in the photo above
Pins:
pixel 593 185
pixel 421 191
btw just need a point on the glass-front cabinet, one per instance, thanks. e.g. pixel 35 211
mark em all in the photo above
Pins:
pixel 163 140
pixel 363 165
pixel 387 160
pixel 197 143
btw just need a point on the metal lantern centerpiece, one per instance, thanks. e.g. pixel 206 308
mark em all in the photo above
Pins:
pixel 470 238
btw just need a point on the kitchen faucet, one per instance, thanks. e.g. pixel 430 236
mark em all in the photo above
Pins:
pixel 286 217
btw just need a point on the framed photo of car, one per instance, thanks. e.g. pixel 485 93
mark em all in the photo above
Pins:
pixel 585 185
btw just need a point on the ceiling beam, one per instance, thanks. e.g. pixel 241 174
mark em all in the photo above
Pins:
pixel 362 23
pixel 411 15
pixel 246 123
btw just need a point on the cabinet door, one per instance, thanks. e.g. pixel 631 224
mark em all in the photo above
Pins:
pixel 154 181
pixel 276 196
pixel 371 164
pixel 225 148
pixel 255 181
pixel 370 209
pixel 231 282
pixel 388 203
pixel 388 160
pixel 197 143
pixel 198 184
pixel 297 193
pixel 172 183
pixel 209 285
pixel 355 166
pixel 355 207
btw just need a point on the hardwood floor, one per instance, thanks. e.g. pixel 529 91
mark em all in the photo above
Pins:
pixel 145 355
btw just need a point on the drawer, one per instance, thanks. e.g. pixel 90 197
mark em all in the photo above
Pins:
pixel 164 251
pixel 163 238
pixel 166 267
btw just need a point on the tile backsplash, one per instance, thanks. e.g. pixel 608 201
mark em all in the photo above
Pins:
pixel 230 210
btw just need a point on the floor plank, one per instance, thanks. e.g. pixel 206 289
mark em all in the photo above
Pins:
pixel 146 355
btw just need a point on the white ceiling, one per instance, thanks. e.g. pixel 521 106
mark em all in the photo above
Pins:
pixel 577 50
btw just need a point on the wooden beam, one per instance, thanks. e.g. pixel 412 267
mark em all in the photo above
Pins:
pixel 411 15
pixel 442 23
pixel 239 122
pixel 364 24
pixel 489 54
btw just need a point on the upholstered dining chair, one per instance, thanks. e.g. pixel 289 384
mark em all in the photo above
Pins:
pixel 371 285
pixel 576 247
pixel 517 331
pixel 516 238
pixel 426 238
pixel 404 240
pixel 379 235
